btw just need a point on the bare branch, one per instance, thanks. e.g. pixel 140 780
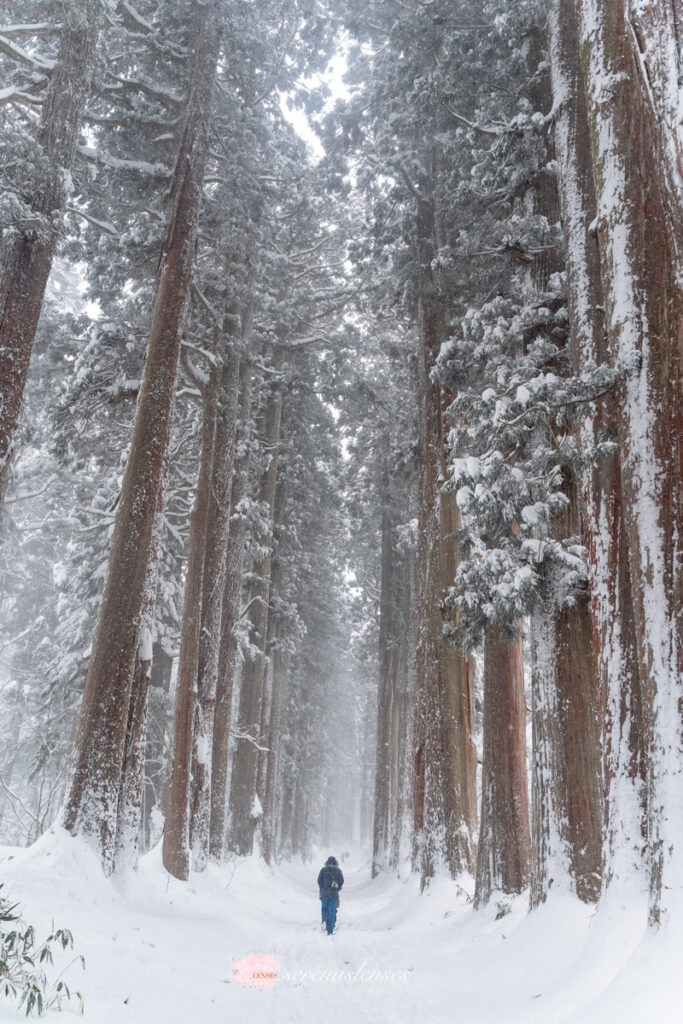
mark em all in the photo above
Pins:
pixel 195 376
pixel 248 738
pixel 254 600
pixel 206 303
pixel 34 494
pixel 410 186
pixel 20 636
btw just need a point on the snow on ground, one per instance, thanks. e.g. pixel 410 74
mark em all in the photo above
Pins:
pixel 159 951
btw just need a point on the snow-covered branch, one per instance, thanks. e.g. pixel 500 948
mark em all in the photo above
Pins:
pixel 30 60
pixel 41 28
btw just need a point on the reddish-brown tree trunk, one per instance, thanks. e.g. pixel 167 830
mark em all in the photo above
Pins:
pixel 504 850
pixel 566 770
pixel 29 260
pixel 211 606
pixel 91 805
pixel 566 777
pixel 609 573
pixel 631 59
pixel 458 668
pixel 176 844
pixel 443 766
pixel 580 753
pixel 129 806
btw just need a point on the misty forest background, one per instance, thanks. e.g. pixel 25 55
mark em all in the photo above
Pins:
pixel 340 478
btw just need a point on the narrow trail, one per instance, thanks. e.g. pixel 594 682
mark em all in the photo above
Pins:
pixel 163 952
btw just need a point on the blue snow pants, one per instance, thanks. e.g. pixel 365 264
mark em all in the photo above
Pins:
pixel 329 912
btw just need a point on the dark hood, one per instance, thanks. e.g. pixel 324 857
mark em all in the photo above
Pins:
pixel 332 861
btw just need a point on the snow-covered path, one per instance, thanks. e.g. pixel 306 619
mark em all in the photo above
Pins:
pixel 162 952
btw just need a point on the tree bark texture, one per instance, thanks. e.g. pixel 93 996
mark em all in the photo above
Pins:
pixel 273 734
pixel 504 850
pixel 230 613
pixel 401 776
pixel 566 773
pixel 243 811
pixel 388 670
pixel 566 777
pixel 443 814
pixel 155 765
pixel 630 58
pixel 213 588
pixel 29 259
pixel 91 805
pixel 394 666
pixel 609 574
pixel 176 844
pixel 130 801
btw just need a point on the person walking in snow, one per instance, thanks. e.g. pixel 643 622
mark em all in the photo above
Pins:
pixel 330 882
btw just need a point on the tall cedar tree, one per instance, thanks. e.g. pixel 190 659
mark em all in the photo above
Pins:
pixel 27 267
pixel 91 805
pixel 630 57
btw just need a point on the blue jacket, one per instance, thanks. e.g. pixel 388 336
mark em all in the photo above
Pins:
pixel 330 879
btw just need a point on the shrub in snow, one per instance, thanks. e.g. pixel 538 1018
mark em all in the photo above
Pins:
pixel 23 962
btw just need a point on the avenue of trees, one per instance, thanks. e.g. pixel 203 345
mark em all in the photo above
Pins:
pixel 340 488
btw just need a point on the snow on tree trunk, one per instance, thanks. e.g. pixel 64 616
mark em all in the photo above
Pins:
pixel 273 733
pixel 566 777
pixel 227 655
pixel 29 260
pixel 566 772
pixel 442 763
pixel 187 734
pixel 212 600
pixel 91 805
pixel 401 794
pixel 268 752
pixel 504 849
pixel 630 58
pixel 459 690
pixel 610 593
pixel 388 670
pixel 245 760
pixel 155 767
pixel 129 807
